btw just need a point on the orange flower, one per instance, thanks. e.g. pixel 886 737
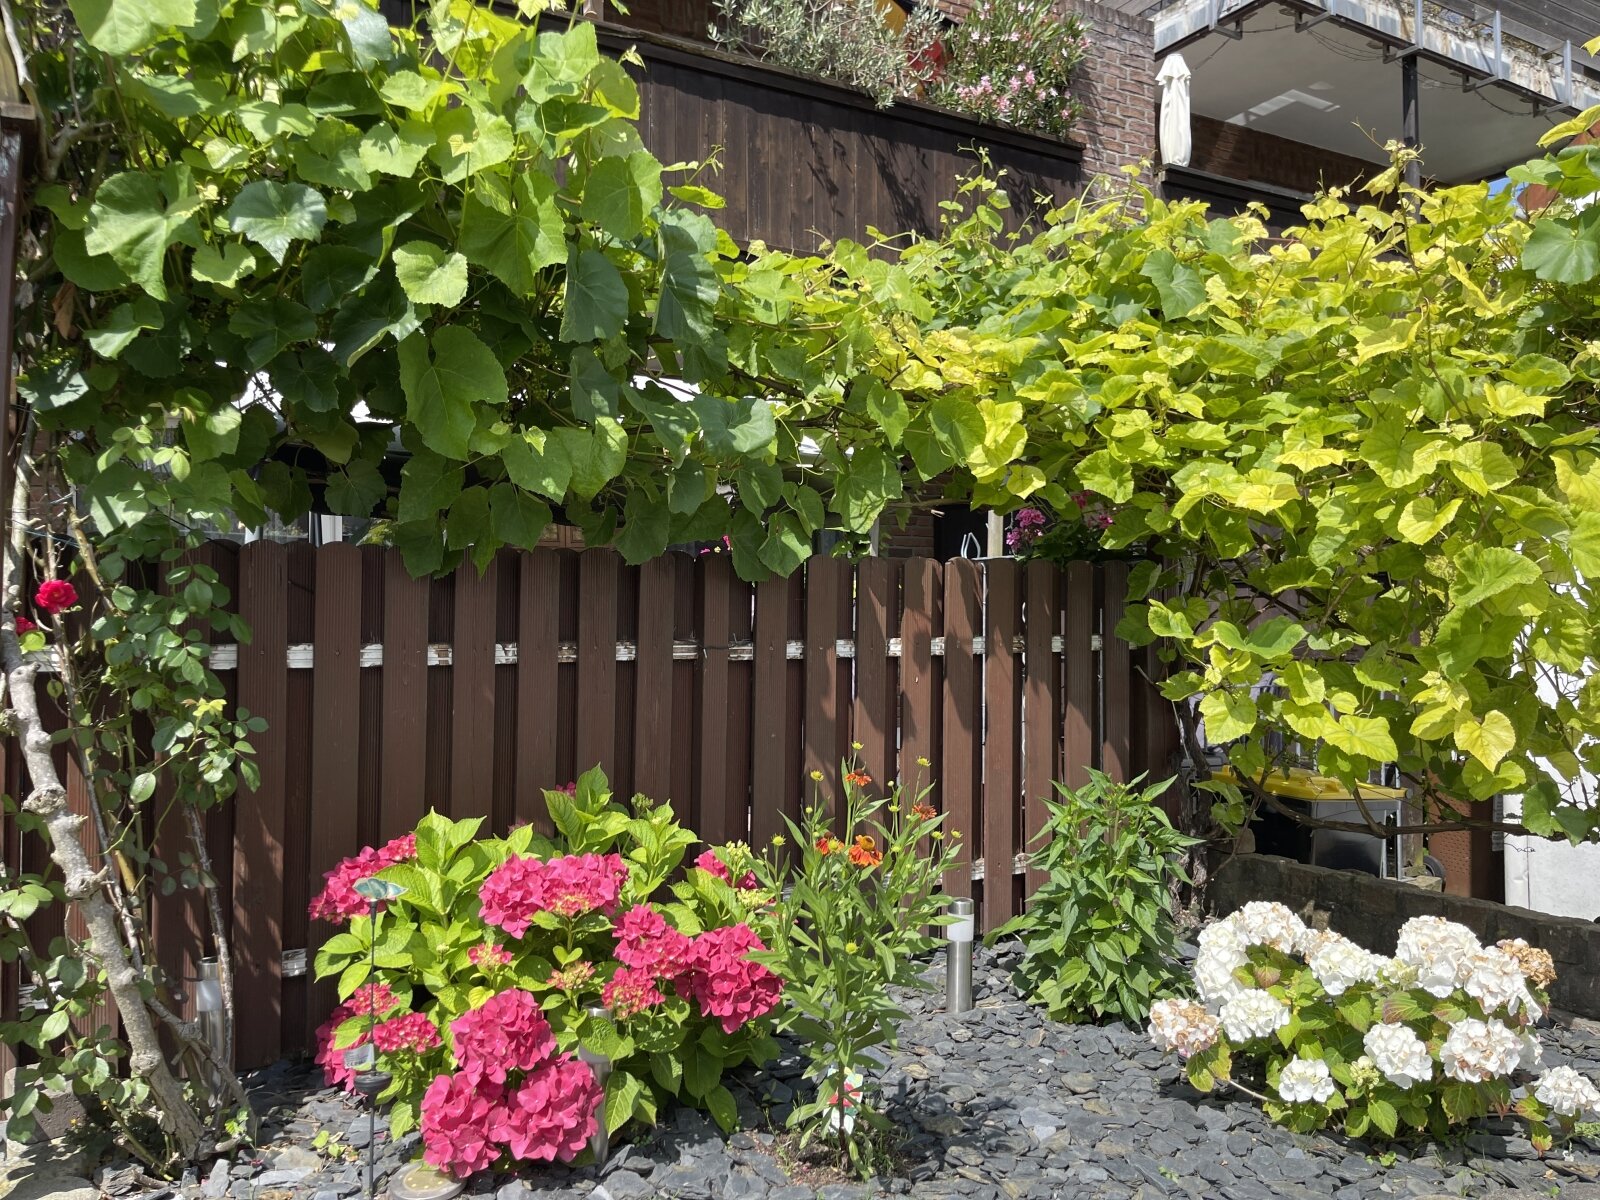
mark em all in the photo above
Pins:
pixel 865 853
pixel 827 844
pixel 859 778
pixel 923 812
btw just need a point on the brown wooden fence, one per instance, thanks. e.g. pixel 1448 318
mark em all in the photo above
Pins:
pixel 385 696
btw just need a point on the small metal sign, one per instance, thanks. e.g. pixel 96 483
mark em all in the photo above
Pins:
pixel 362 1057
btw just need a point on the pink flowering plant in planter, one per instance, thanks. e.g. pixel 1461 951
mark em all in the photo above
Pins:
pixel 1014 62
pixel 1323 1031
pixel 487 965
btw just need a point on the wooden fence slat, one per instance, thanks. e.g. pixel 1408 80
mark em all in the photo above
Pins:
pixel 1116 664
pixel 336 728
pixel 403 765
pixel 652 723
pixel 827 714
pixel 919 681
pixel 599 574
pixel 719 810
pixel 961 761
pixel 472 693
pixel 775 737
pixel 1040 706
pixel 1080 737
pixel 1000 749
pixel 877 698
pixel 258 858
pixel 538 631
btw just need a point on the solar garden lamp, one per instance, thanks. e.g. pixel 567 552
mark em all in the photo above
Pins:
pixel 208 1008
pixel 958 959
pixel 600 1064
pixel 363 1059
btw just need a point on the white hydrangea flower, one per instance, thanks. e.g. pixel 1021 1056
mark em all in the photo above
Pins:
pixel 1564 1091
pixel 1440 951
pixel 1213 977
pixel 1399 1054
pixel 1182 1025
pixel 1312 939
pixel 1396 973
pixel 1268 923
pixel 1339 964
pixel 1532 1052
pixel 1496 980
pixel 1253 1013
pixel 1305 1081
pixel 1477 1051
pixel 1221 936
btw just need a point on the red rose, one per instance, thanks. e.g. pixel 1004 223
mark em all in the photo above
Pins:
pixel 25 626
pixel 55 595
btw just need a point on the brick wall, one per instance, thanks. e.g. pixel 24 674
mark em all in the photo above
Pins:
pixel 1371 911
pixel 1243 153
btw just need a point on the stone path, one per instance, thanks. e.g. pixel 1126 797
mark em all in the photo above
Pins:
pixel 998 1102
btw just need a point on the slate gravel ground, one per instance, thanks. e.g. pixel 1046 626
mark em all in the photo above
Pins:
pixel 998 1102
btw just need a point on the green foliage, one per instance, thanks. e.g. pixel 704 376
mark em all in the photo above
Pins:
pixel 428 937
pixel 1014 62
pixel 851 915
pixel 1098 935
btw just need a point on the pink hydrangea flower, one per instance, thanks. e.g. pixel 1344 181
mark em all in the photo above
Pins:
pixel 551 1114
pixel 631 991
pixel 568 886
pixel 647 942
pixel 724 982
pixel 506 1033
pixel 457 1117
pixel 572 978
pixel 334 1071
pixel 487 956
pixel 413 1032
pixel 372 1000
pixel 708 861
pixel 337 902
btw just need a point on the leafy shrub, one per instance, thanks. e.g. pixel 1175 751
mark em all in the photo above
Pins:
pixel 1098 937
pixel 1014 62
pixel 847 930
pixel 1321 1030
pixel 487 964
pixel 1073 534
pixel 846 40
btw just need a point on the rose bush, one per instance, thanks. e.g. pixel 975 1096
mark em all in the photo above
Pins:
pixel 487 964
pixel 1322 1031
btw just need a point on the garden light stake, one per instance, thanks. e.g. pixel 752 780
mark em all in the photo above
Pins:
pixel 958 962
pixel 370 1081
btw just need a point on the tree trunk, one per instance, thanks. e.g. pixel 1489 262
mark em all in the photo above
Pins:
pixel 83 885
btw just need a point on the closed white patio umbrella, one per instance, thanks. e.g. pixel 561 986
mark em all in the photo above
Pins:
pixel 1175 141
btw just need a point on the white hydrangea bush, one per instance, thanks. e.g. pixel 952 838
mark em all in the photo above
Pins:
pixel 1324 1031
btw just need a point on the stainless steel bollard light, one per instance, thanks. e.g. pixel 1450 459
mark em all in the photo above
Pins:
pixel 600 1139
pixel 370 1081
pixel 958 959
pixel 208 1007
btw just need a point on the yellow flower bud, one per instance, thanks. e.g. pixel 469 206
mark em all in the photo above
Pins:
pixel 923 762
pixel 778 839
pixel 850 947
pixel 817 775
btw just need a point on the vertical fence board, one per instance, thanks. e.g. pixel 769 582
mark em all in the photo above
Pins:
pixel 775 736
pixel 919 682
pixel 720 801
pixel 258 861
pixel 472 693
pixel 599 572
pixel 1079 727
pixel 960 764
pixel 1040 705
pixel 1000 749
pixel 538 632
pixel 1116 665
pixel 652 725
pixel 403 766
pixel 877 698
pixel 336 716
pixel 826 733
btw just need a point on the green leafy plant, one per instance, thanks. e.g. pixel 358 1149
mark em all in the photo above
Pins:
pixel 597 915
pixel 850 917
pixel 851 41
pixel 1322 1031
pixel 1098 935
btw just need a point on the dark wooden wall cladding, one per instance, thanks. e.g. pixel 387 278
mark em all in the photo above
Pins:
pixel 386 696
pixel 805 161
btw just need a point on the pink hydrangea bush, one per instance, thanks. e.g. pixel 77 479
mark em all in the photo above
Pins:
pixel 498 949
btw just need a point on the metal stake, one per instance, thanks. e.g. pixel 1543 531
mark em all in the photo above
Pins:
pixel 600 1139
pixel 958 960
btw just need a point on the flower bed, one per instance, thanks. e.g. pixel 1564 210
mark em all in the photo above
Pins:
pixel 1439 1035
pixel 490 965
